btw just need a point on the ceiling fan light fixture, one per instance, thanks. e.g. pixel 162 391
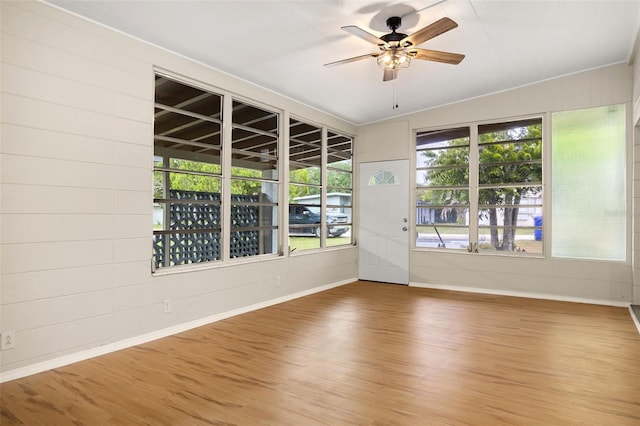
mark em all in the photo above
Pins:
pixel 396 50
pixel 393 59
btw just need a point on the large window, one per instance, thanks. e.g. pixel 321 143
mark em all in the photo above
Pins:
pixel 196 190
pixel 491 172
pixel 320 187
pixel 217 179
pixel 589 193
pixel 494 172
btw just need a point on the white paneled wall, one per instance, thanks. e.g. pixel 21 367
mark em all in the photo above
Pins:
pixel 76 195
pixel 600 282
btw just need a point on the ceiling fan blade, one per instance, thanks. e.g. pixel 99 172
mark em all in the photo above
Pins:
pixel 389 74
pixel 437 56
pixel 354 59
pixel 359 32
pixel 430 31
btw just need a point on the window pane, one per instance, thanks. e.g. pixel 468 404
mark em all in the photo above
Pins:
pixel 438 176
pixel 510 152
pixel 523 225
pixel 442 188
pixel 589 197
pixel 306 189
pixel 339 221
pixel 194 183
pixel 189 230
pixel 254 219
pixel 440 236
pixel 339 189
pixel 339 235
pixel 305 147
pixel 183 248
pixel 187 119
pixel 442 158
pixel 305 186
pixel 338 180
pixel 254 183
pixel 187 174
pixel 195 166
pixel 254 140
pixel 304 221
pixel 509 155
pixel 187 98
pixel 339 151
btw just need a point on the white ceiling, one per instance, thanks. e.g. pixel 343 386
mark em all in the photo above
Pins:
pixel 282 45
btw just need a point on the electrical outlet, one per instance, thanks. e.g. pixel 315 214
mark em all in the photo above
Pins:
pixel 278 281
pixel 8 340
pixel 166 306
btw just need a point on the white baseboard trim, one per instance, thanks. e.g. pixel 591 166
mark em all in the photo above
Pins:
pixel 527 295
pixel 635 319
pixel 154 335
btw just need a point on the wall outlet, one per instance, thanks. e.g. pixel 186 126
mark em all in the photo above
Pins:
pixel 166 306
pixel 278 281
pixel 8 340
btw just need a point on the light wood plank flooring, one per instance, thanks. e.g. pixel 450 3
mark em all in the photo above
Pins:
pixel 360 354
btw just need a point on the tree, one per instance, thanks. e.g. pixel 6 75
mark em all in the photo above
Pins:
pixel 338 176
pixel 507 157
pixel 199 182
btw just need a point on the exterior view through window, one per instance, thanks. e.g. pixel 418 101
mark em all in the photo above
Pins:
pixel 442 188
pixel 217 179
pixel 191 201
pixel 494 177
pixel 320 187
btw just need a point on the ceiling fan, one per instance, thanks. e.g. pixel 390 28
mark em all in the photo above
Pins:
pixel 397 49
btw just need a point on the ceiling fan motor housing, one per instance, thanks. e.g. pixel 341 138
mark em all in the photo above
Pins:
pixel 393 23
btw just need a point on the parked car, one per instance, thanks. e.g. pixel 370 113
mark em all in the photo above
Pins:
pixel 310 215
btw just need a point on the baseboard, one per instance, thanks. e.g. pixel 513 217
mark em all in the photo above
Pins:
pixel 154 335
pixel 527 295
pixel 634 315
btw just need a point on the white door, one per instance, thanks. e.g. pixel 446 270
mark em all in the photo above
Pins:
pixel 384 221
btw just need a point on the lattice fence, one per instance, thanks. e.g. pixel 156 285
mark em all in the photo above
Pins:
pixel 202 221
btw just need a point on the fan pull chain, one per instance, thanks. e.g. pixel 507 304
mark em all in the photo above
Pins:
pixel 395 97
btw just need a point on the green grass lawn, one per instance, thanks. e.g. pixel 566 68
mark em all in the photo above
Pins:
pixel 307 243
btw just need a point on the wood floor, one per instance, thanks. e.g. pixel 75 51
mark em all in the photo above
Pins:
pixel 360 354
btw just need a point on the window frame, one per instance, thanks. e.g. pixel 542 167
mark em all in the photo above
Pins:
pixel 474 186
pixel 224 173
pixel 322 186
pixel 225 177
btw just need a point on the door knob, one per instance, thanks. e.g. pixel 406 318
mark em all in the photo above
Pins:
pixel 404 228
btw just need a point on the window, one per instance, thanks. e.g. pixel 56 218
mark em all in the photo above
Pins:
pixel 191 202
pixel 384 177
pixel 320 187
pixel 339 188
pixel 495 176
pixel 187 174
pixel 254 181
pixel 442 188
pixel 589 194
pixel 510 186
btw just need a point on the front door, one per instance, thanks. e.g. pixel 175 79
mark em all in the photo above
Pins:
pixel 384 221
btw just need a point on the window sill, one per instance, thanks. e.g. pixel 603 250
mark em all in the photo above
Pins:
pixel 196 267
